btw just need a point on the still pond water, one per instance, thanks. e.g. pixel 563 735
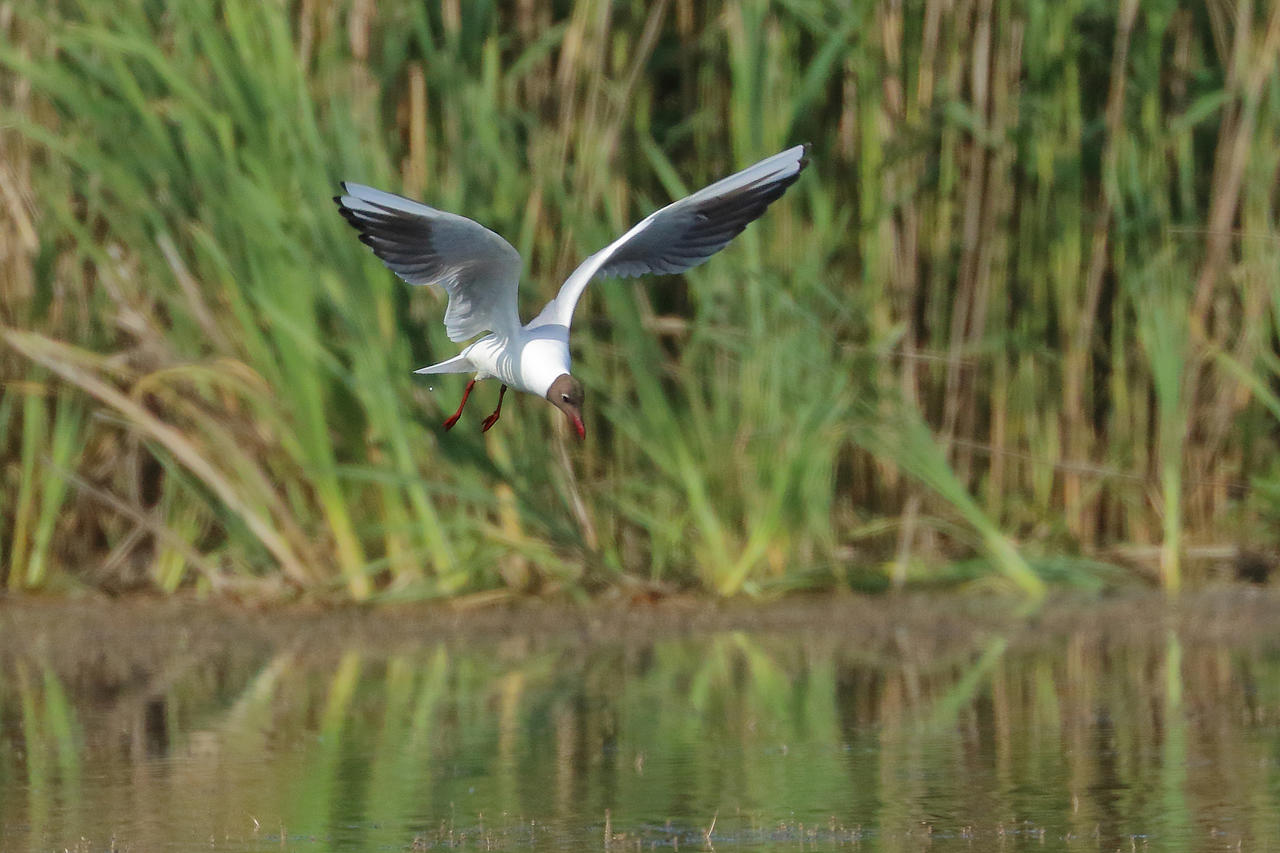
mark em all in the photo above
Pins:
pixel 1122 725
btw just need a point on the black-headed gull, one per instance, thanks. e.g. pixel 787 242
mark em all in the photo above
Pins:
pixel 480 272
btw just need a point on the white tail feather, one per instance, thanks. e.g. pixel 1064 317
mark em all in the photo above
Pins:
pixel 457 364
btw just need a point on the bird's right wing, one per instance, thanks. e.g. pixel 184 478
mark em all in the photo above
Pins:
pixel 477 268
pixel 684 233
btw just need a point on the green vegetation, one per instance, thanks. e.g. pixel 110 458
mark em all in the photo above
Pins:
pixel 1022 304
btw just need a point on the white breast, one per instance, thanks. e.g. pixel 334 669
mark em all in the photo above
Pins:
pixel 545 357
pixel 529 362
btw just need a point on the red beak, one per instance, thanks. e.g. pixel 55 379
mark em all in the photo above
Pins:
pixel 577 425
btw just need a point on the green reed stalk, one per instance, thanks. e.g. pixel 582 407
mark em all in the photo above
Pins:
pixel 1162 328
pixel 901 437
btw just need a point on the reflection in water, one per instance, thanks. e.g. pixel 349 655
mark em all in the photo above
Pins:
pixel 1082 740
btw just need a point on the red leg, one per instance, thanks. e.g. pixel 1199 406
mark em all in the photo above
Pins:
pixel 493 419
pixel 449 422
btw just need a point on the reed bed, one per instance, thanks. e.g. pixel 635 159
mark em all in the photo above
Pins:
pixel 1022 305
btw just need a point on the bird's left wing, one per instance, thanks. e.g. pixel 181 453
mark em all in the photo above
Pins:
pixel 477 268
pixel 685 233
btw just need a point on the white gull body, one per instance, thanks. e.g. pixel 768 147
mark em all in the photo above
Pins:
pixel 480 271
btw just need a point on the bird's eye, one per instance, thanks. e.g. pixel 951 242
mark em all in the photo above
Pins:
pixel 564 397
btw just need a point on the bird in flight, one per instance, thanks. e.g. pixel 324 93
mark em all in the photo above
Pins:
pixel 480 272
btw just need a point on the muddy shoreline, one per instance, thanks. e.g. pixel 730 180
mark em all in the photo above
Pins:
pixel 145 628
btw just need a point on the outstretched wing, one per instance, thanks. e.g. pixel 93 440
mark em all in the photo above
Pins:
pixel 478 269
pixel 685 233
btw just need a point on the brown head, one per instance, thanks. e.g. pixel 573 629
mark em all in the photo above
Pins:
pixel 566 395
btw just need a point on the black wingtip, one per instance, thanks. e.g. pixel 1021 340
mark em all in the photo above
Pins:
pixel 804 155
pixel 337 199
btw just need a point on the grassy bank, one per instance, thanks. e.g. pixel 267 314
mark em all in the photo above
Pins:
pixel 1021 305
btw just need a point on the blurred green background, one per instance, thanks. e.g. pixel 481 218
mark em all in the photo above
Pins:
pixel 1017 324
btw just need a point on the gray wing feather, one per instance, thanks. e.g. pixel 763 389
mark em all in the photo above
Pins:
pixel 478 269
pixel 685 233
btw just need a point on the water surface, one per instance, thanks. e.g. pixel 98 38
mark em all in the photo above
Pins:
pixel 850 725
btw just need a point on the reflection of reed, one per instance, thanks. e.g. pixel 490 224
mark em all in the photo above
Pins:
pixel 822 736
